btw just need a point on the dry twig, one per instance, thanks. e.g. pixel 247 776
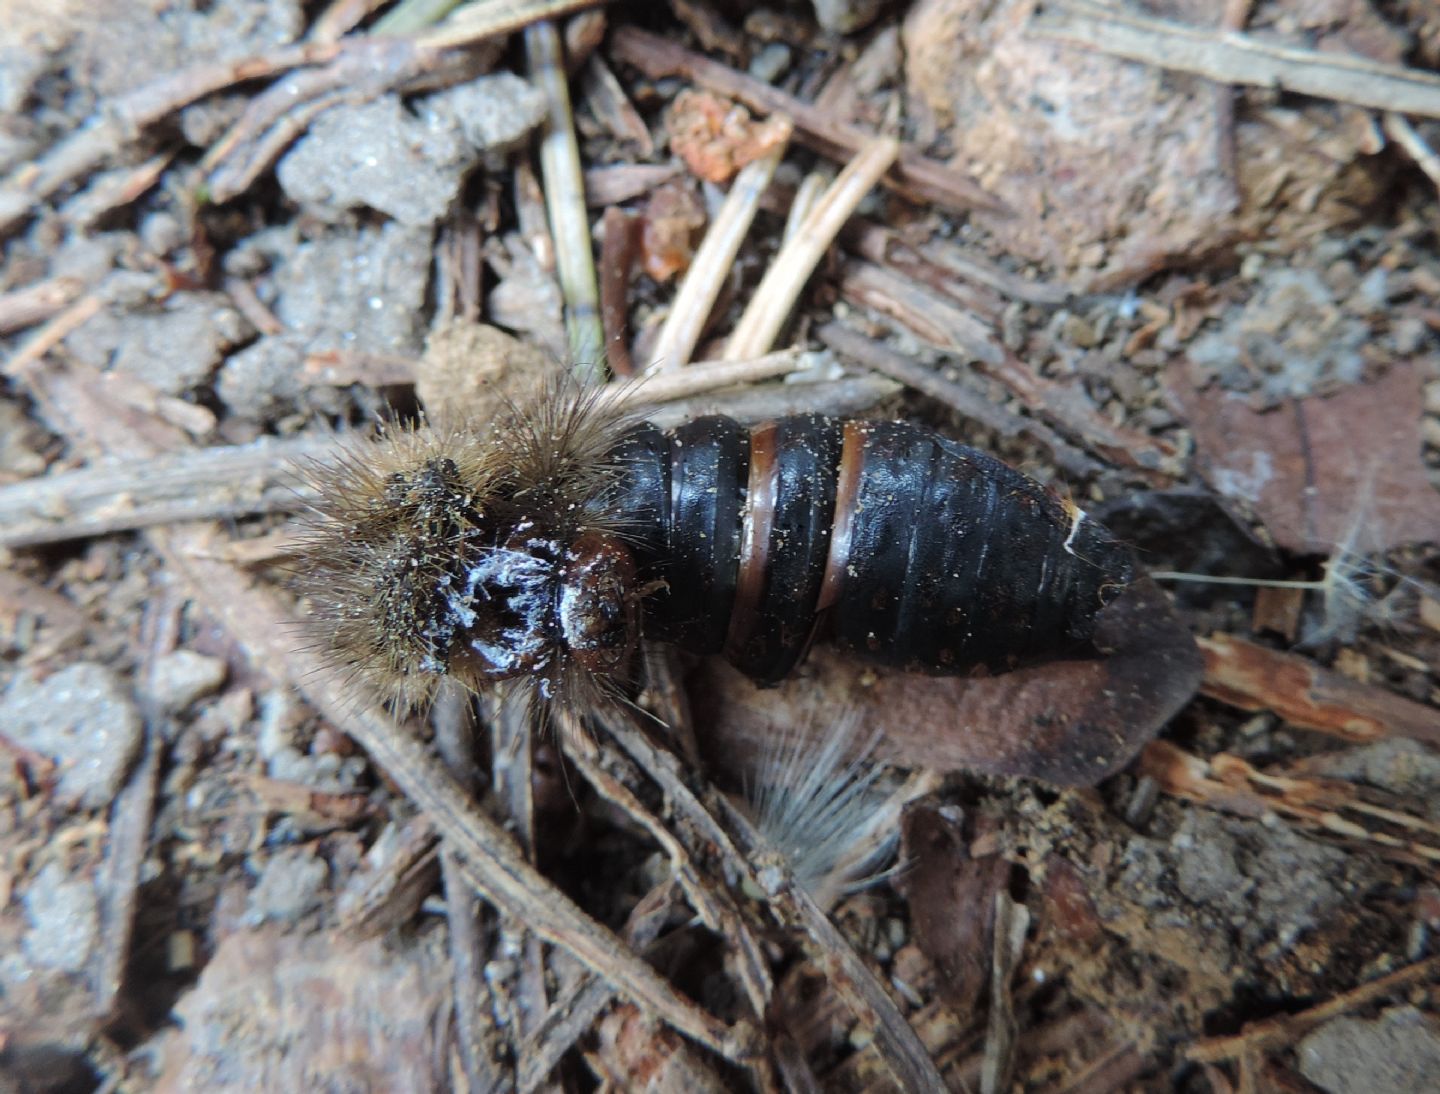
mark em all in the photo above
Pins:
pixel 969 404
pixel 21 308
pixel 1285 1029
pixel 1233 58
pixel 924 179
pixel 108 133
pixel 1251 677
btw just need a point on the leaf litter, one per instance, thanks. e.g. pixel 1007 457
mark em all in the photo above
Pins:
pixel 1166 285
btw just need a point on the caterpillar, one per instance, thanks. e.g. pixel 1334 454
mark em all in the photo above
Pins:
pixel 537 553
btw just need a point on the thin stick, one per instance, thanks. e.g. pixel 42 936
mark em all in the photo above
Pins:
pixel 1233 58
pixel 52 334
pixel 781 286
pixel 621 239
pixel 713 261
pixel 37 302
pixel 1282 1030
pixel 118 122
pixel 410 16
pixel 1399 130
pixel 131 814
pixel 465 911
pixel 491 18
pixel 565 202
pixel 711 376
pixel 965 401
pixel 192 484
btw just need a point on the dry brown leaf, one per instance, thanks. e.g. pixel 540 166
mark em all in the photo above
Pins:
pixel 1322 473
pixel 952 903
pixel 1065 722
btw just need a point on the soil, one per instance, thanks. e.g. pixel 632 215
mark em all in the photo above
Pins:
pixel 1208 316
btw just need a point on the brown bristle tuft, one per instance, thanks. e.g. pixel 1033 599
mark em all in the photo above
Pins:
pixel 402 522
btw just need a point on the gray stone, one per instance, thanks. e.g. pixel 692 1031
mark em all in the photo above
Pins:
pixel 173 348
pixel 362 290
pixel 64 920
pixel 377 155
pixel 263 378
pixel 845 16
pixel 410 166
pixel 493 113
pixel 85 719
pixel 1396 1053
pixel 291 885
pixel 181 677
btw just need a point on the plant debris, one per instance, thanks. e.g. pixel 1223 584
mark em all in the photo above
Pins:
pixel 1178 263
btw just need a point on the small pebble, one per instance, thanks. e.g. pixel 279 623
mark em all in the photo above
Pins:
pixel 184 676
pixel 1396 1053
pixel 83 718
pixel 64 918
pixel 291 885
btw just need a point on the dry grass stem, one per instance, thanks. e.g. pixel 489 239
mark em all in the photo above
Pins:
pixel 807 196
pixel 340 17
pixel 712 263
pixel 837 398
pixel 565 203
pixel 783 282
pixel 413 16
pixel 1229 57
pixel 669 386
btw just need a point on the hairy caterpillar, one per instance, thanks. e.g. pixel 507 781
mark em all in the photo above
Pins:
pixel 536 554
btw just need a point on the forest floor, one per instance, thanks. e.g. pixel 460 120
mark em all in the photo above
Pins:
pixel 1185 273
